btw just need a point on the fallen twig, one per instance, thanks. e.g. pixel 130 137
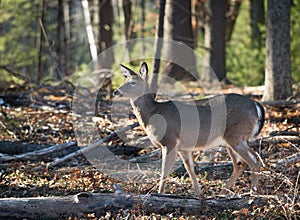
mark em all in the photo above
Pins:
pixel 92 146
pixel 295 158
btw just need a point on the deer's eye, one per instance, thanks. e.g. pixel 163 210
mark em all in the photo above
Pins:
pixel 132 83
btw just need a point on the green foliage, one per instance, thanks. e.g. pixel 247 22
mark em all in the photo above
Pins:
pixel 295 40
pixel 245 62
pixel 18 36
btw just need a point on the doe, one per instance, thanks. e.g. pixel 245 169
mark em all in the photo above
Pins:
pixel 179 127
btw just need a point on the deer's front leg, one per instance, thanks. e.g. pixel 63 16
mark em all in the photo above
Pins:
pixel 187 158
pixel 168 158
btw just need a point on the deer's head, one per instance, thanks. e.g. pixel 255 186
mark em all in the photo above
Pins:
pixel 136 85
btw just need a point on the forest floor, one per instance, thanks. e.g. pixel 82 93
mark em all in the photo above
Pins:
pixel 43 116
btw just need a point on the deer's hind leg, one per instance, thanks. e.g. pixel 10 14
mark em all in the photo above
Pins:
pixel 238 169
pixel 249 157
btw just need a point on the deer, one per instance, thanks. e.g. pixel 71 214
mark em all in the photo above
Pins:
pixel 180 128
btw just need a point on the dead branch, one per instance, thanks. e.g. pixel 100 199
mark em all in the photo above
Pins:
pixel 32 155
pixel 285 133
pixel 281 103
pixel 83 203
pixel 93 145
pixel 295 158
pixel 275 140
pixel 8 68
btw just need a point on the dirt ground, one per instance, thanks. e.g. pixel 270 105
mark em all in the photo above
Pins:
pixel 40 123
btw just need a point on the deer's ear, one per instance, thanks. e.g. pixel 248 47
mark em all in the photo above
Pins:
pixel 126 71
pixel 144 70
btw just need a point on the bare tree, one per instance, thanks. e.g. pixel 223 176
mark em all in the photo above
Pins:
pixel 128 18
pixel 178 27
pixel 257 18
pixel 39 44
pixel 278 80
pixel 231 16
pixel 158 45
pixel 89 30
pixel 106 32
pixel 215 28
pixel 67 39
pixel 60 41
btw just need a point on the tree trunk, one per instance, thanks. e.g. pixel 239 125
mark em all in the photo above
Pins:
pixel 106 33
pixel 39 44
pixel 178 27
pixel 127 4
pixel 231 16
pixel 101 203
pixel 89 30
pixel 143 19
pixel 257 19
pixel 215 27
pixel 158 45
pixel 106 40
pixel 67 39
pixel 95 21
pixel 60 41
pixel 278 80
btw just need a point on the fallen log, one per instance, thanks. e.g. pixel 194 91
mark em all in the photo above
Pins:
pixel 100 203
pixel 32 155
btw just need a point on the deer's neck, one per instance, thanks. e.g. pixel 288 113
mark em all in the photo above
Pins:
pixel 144 107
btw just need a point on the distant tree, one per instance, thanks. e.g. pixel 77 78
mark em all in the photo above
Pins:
pixel 106 38
pixel 158 44
pixel 18 39
pixel 39 45
pixel 106 31
pixel 67 39
pixel 215 29
pixel 257 19
pixel 60 49
pixel 178 27
pixel 232 13
pixel 128 19
pixel 278 80
pixel 89 31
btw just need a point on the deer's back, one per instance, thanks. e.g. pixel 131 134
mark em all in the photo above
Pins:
pixel 207 123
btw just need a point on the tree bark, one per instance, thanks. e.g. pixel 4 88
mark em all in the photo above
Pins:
pixel 232 14
pixel 89 30
pixel 127 9
pixel 257 19
pixel 215 40
pixel 39 44
pixel 158 45
pixel 178 27
pixel 278 80
pixel 84 203
pixel 60 41
pixel 94 7
pixel 106 33
pixel 67 39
